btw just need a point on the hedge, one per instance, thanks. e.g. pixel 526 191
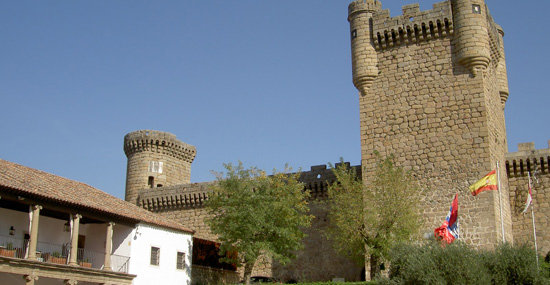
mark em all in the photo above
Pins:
pixel 460 264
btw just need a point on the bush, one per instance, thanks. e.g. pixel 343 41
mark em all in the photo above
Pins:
pixel 513 265
pixel 434 264
pixel 459 264
pixel 545 267
pixel 339 283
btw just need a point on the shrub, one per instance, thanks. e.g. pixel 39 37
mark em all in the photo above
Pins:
pixel 434 264
pixel 545 267
pixel 513 265
pixel 339 283
pixel 459 264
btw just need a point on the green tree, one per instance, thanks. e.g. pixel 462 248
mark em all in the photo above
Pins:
pixel 255 214
pixel 367 219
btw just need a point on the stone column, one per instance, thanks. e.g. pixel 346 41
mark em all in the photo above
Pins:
pixel 74 239
pixel 35 209
pixel 108 246
pixel 30 278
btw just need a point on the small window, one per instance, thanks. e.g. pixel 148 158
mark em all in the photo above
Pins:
pixel 155 166
pixel 354 34
pixel 180 262
pixel 476 9
pixel 155 255
pixel 151 181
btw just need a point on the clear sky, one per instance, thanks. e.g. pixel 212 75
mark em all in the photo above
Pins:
pixel 264 82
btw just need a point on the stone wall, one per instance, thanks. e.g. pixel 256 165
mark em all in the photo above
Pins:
pixel 518 164
pixel 202 275
pixel 318 260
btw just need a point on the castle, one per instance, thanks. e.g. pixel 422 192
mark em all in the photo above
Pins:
pixel 432 91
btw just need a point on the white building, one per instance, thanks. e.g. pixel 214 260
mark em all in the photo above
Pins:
pixel 58 231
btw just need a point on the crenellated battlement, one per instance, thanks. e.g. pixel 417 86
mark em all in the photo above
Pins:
pixel 412 26
pixel 320 177
pixel 174 197
pixel 528 159
pixel 194 195
pixel 364 5
pixel 157 141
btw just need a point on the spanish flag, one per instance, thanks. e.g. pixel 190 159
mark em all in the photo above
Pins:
pixel 489 182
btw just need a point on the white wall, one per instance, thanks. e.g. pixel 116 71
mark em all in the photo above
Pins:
pixel 50 230
pixel 122 239
pixel 170 242
pixel 19 221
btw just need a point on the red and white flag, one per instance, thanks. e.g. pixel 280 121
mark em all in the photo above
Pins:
pixel 529 197
pixel 449 231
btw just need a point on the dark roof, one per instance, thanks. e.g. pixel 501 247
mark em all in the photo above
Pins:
pixel 40 184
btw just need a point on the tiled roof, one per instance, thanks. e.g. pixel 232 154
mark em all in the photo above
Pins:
pixel 61 190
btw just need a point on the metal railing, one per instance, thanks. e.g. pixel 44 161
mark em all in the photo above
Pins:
pixel 120 263
pixel 60 254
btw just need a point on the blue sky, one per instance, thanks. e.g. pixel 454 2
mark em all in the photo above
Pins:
pixel 265 82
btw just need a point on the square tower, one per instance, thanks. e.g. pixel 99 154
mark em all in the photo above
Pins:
pixel 432 90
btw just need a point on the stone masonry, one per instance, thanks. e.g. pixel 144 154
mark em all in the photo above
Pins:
pixel 537 162
pixel 435 104
pixel 155 159
pixel 432 92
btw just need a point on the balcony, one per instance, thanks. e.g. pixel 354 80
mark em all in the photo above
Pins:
pixel 59 254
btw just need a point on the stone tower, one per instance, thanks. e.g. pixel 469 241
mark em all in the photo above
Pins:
pixel 365 61
pixel 155 159
pixel 432 88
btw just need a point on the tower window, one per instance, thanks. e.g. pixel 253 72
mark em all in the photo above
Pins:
pixel 155 166
pixel 151 181
pixel 476 9
pixel 354 34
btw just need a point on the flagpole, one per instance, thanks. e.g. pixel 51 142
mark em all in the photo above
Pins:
pixel 458 224
pixel 533 218
pixel 535 234
pixel 500 202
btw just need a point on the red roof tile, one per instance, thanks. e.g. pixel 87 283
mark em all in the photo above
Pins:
pixel 62 190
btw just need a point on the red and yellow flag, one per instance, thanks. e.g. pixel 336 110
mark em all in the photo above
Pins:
pixel 489 182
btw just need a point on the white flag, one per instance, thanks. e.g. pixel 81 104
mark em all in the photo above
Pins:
pixel 529 196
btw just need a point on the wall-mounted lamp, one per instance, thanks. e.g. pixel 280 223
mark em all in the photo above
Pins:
pixel 12 231
pixel 67 227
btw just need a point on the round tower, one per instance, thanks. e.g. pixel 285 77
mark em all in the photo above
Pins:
pixel 501 69
pixel 471 34
pixel 155 159
pixel 364 58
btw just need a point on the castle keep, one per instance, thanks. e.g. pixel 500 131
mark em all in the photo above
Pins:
pixel 432 92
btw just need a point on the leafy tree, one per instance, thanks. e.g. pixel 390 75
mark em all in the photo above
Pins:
pixel 367 219
pixel 255 214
